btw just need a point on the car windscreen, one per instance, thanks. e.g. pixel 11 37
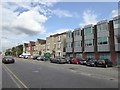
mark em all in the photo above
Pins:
pixel 8 57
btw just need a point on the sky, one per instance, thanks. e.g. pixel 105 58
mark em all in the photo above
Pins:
pixel 27 21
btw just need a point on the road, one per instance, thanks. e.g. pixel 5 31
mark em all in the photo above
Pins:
pixel 37 74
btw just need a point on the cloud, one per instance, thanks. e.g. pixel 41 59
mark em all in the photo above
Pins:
pixel 89 17
pixel 64 13
pixel 114 13
pixel 30 21
pixel 17 28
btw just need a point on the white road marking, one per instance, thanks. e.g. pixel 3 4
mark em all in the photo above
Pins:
pixel 15 77
pixel 12 78
pixel 36 71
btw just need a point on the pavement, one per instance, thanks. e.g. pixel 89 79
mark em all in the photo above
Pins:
pixel 25 73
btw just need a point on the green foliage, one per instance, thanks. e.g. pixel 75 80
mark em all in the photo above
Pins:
pixel 15 51
pixel 47 55
pixel 8 52
pixel 40 52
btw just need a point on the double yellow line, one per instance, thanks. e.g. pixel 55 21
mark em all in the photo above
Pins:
pixel 9 71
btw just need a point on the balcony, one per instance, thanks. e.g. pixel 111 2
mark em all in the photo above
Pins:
pixel 68 49
pixel 77 49
pixel 89 36
pixel 117 47
pixel 69 39
pixel 103 34
pixel 103 48
pixel 77 38
pixel 117 32
pixel 89 49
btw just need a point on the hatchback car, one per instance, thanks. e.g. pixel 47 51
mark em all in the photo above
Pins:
pixel 75 61
pixel 69 59
pixel 58 60
pixel 104 62
pixel 40 58
pixel 8 59
pixel 83 61
pixel 35 57
pixel 91 62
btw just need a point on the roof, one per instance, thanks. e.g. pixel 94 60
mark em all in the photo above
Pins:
pixel 32 43
pixel 57 34
pixel 42 41
pixel 26 44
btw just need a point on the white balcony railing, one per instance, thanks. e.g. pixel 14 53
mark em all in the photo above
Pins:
pixel 117 47
pixel 77 49
pixel 89 49
pixel 68 49
pixel 104 47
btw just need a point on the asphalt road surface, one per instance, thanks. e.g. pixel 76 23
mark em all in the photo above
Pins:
pixel 30 74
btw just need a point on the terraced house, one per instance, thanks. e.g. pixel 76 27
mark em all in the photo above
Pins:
pixel 95 41
pixel 55 45
pixel 38 46
pixel 31 48
pixel 25 48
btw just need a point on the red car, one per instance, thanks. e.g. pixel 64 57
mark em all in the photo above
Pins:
pixel 75 61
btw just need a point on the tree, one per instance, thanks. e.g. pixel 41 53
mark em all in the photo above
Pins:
pixel 8 52
pixel 40 52
pixel 47 55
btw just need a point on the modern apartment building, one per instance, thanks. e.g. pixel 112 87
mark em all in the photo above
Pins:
pixel 95 41
pixel 55 45
pixel 69 44
pixel 38 46
pixel 116 36
pixel 77 46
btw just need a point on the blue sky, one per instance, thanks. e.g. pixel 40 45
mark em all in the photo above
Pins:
pixel 25 21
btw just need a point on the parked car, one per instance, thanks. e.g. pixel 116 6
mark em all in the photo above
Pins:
pixel 104 62
pixel 75 61
pixel 20 56
pixel 8 59
pixel 91 62
pixel 62 60
pixel 35 57
pixel 68 59
pixel 58 60
pixel 25 56
pixel 40 58
pixel 83 62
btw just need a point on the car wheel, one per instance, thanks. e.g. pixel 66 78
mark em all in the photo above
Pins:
pixel 106 66
pixel 58 62
pixel 68 62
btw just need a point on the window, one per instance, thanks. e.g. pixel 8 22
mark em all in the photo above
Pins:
pixel 69 34
pixel 118 40
pixel 77 44
pixel 102 27
pixel 104 55
pixel 76 33
pixel 59 37
pixel 88 30
pixel 89 42
pixel 68 45
pixel 117 23
pixel 102 40
pixel 59 44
